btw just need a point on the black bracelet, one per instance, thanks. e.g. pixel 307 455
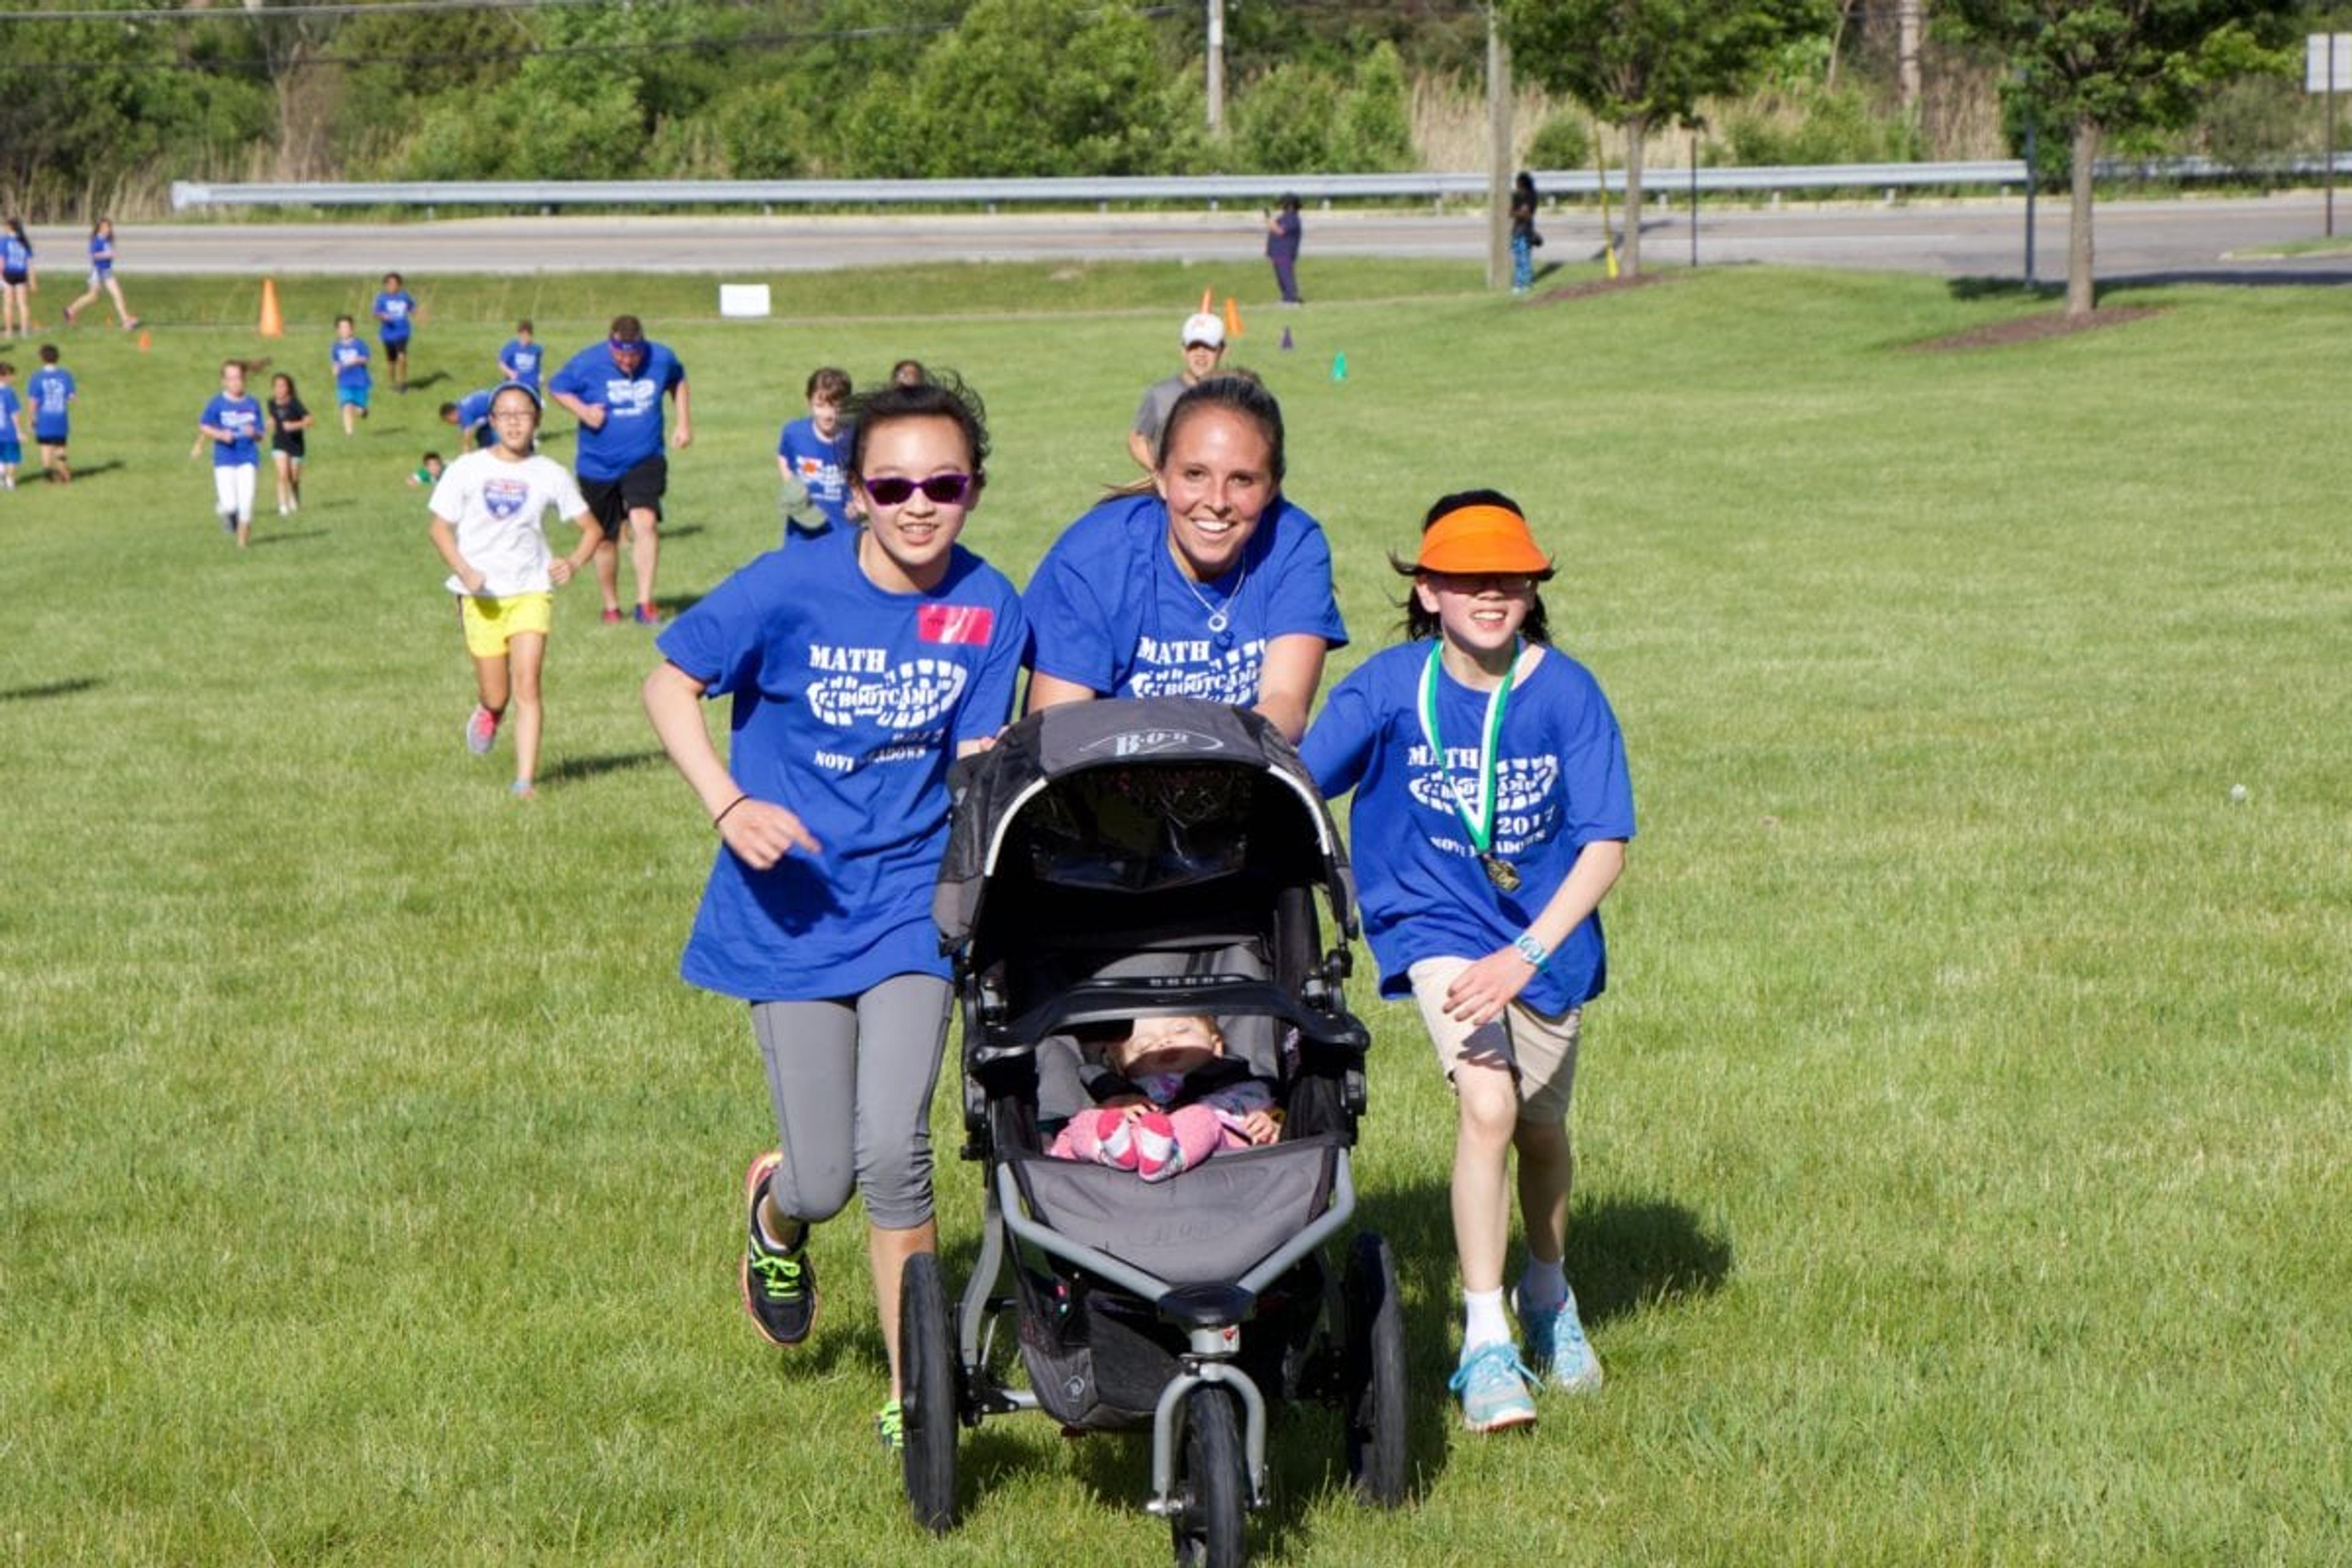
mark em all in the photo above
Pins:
pixel 727 807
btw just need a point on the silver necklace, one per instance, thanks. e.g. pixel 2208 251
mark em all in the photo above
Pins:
pixel 1220 615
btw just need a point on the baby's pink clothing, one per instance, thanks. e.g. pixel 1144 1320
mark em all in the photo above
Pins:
pixel 1161 1141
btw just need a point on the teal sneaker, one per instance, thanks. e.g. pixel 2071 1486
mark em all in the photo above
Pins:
pixel 1493 1382
pixel 890 1427
pixel 1556 1344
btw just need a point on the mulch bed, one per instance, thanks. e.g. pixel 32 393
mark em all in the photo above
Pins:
pixel 1599 286
pixel 2036 329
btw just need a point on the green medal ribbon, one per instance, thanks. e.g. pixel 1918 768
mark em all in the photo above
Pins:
pixel 1478 823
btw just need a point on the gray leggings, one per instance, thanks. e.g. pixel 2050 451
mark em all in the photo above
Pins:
pixel 851 1081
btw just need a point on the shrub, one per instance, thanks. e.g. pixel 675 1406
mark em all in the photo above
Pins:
pixel 1560 142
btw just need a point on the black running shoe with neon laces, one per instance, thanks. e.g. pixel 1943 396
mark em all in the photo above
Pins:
pixel 779 1282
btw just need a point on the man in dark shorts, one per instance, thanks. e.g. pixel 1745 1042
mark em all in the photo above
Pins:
pixel 615 389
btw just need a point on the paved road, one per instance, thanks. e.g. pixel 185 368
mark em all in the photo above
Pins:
pixel 2183 240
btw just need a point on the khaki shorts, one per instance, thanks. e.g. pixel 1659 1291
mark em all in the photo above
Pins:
pixel 1541 1051
pixel 491 624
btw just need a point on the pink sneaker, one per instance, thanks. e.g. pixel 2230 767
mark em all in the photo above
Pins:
pixel 481 730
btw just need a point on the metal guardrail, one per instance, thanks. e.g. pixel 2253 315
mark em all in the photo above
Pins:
pixel 1210 191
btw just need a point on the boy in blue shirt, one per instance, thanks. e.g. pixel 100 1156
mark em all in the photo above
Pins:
pixel 232 422
pixel 350 357
pixel 472 415
pixel 519 362
pixel 395 311
pixel 809 457
pixel 51 393
pixel 615 389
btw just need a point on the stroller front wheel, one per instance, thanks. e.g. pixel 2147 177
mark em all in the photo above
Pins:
pixel 928 1413
pixel 1208 1524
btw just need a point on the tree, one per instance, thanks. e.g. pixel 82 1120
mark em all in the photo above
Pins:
pixel 1642 65
pixel 2100 66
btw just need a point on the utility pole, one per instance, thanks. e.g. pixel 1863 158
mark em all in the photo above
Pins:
pixel 1216 65
pixel 1498 150
pixel 1907 55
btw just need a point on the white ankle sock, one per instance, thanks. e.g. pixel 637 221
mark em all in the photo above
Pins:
pixel 1483 1321
pixel 1543 1287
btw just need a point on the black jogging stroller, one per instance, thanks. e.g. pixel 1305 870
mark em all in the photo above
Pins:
pixel 1110 860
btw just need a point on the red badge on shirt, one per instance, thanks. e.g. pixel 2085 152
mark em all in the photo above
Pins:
pixel 955 622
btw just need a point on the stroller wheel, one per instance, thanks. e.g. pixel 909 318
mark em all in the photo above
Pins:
pixel 1372 1386
pixel 1208 1525
pixel 927 1403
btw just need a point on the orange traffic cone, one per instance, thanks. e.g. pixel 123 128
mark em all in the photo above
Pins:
pixel 142 340
pixel 1208 305
pixel 272 324
pixel 1232 318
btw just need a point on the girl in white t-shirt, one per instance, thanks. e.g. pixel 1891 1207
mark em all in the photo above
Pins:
pixel 488 509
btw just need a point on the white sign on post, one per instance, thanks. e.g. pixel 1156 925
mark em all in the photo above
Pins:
pixel 742 300
pixel 2327 62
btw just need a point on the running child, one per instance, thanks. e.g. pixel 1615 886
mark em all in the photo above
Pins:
pixel 12 446
pixel 101 277
pixel 288 443
pixel 809 459
pixel 232 422
pixel 520 361
pixel 348 354
pixel 1173 1098
pixel 50 391
pixel 489 512
pixel 427 472
pixel 860 665
pixel 17 282
pixel 1491 815
pixel 395 315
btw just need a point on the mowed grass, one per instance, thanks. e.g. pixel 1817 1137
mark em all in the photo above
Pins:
pixel 1966 1162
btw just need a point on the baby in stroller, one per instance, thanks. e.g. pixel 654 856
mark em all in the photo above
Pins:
pixel 1169 1099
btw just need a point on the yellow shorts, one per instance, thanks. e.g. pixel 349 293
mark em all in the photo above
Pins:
pixel 491 624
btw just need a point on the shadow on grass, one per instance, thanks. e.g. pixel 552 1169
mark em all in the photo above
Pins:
pixel 1623 1254
pixel 672 606
pixel 54 689
pixel 578 769
pixel 261 538
pixel 91 470
pixel 430 378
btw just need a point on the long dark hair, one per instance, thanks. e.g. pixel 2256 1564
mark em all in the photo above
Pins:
pixel 1421 623
pixel 1243 395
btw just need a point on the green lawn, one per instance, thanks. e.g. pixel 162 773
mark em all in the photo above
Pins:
pixel 1966 1150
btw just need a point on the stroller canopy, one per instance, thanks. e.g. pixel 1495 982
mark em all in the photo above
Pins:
pixel 1136 795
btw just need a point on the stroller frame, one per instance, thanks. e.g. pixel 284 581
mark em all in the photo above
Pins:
pixel 1285 1315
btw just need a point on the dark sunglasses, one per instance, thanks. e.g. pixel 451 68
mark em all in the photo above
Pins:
pixel 941 490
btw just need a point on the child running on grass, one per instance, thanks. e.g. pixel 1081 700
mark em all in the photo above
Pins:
pixel 101 277
pixel 288 421
pixel 809 452
pixel 488 513
pixel 1176 1099
pixel 348 354
pixel 51 392
pixel 1491 815
pixel 232 422
pixel 860 665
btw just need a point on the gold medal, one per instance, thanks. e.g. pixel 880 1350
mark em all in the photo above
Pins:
pixel 1501 872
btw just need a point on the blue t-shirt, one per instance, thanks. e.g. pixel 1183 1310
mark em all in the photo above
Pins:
pixel 1562 784
pixel 15 255
pixel 1111 612
pixel 821 465
pixel 632 431
pixel 102 254
pixel 474 416
pixel 350 359
pixel 520 361
pixel 849 703
pixel 391 310
pixel 241 418
pixel 10 406
pixel 50 389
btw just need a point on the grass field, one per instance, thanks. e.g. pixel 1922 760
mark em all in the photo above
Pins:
pixel 1966 1136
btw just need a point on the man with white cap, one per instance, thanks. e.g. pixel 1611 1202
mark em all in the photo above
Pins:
pixel 1205 350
